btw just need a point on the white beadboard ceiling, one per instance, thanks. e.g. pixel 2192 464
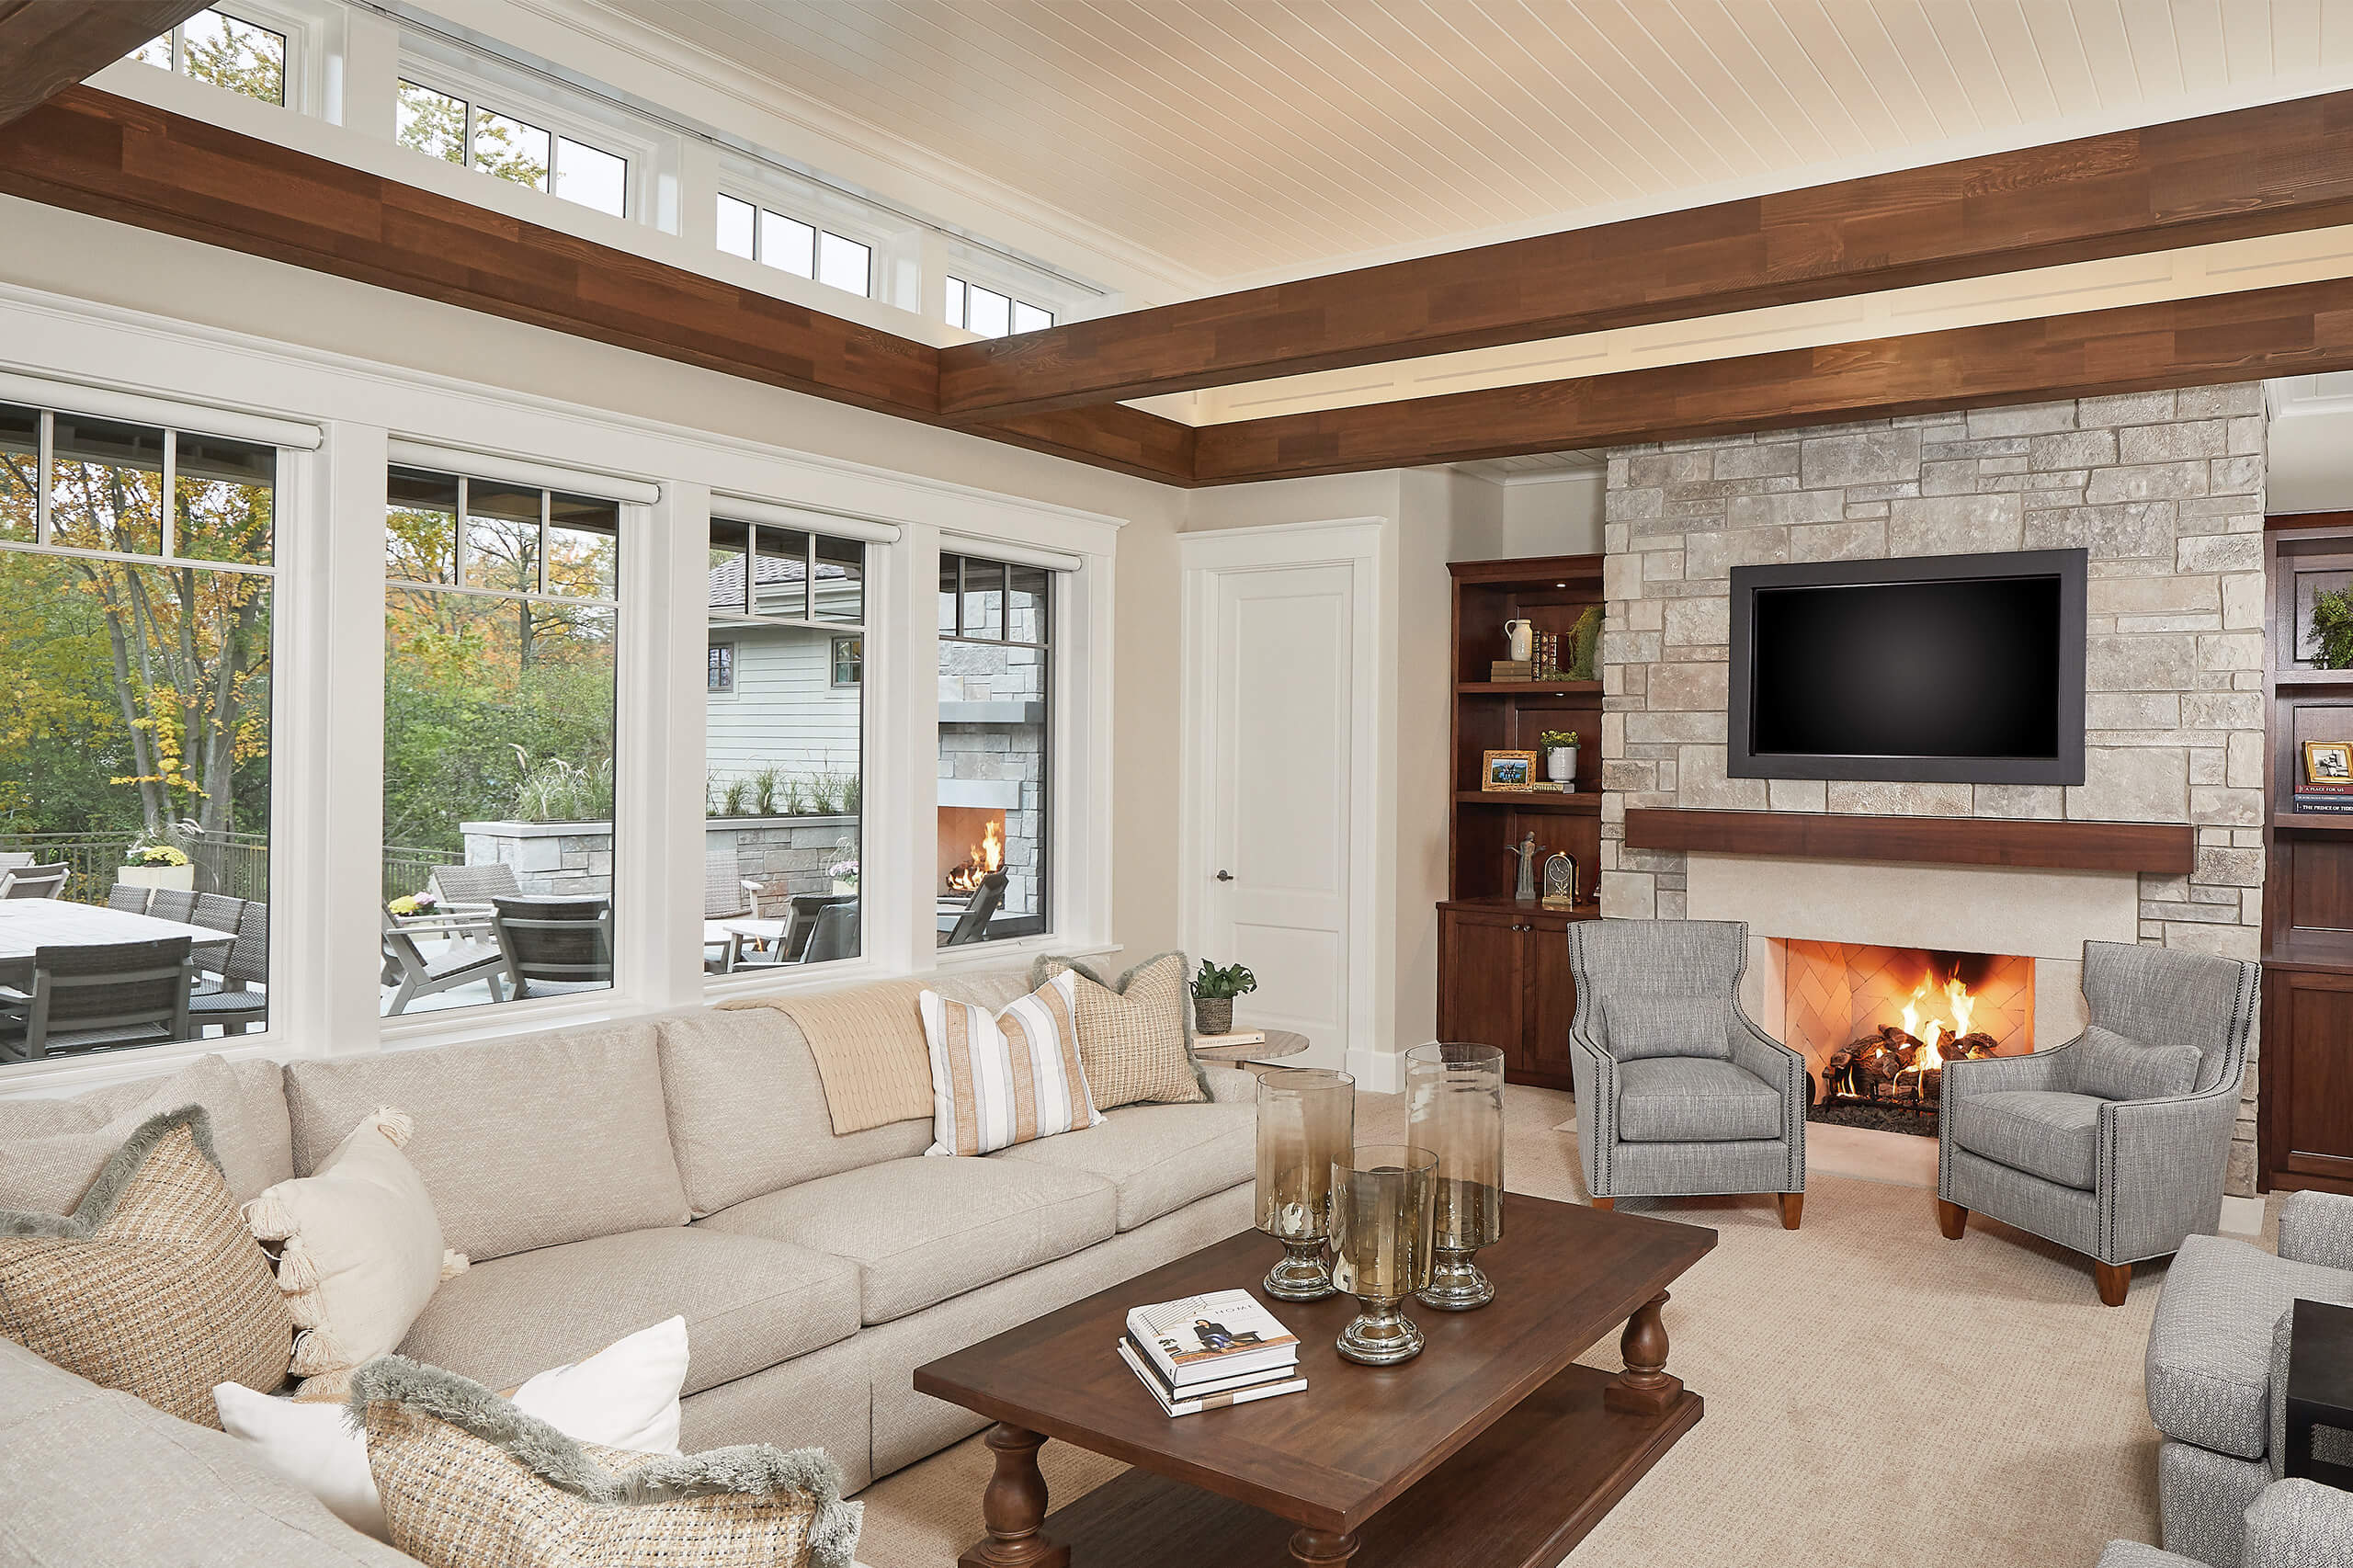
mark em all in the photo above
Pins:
pixel 1241 141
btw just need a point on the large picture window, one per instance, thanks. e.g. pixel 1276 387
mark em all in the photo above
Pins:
pixel 996 687
pixel 501 627
pixel 137 567
pixel 784 752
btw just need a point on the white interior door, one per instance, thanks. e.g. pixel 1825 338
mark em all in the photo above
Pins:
pixel 1281 668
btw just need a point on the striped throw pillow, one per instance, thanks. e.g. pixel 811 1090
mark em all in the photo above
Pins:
pixel 998 1079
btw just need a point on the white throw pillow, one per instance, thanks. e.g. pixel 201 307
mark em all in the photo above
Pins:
pixel 359 1251
pixel 625 1396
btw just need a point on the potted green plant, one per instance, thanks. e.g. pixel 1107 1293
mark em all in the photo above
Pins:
pixel 1561 756
pixel 1214 989
pixel 156 866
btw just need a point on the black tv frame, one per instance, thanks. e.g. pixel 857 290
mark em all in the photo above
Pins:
pixel 2068 767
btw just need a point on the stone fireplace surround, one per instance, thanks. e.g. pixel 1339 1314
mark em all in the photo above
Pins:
pixel 2164 489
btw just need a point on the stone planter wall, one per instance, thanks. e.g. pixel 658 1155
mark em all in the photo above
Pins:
pixel 577 858
pixel 2164 489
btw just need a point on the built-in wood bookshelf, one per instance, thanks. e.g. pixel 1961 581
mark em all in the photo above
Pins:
pixel 1502 964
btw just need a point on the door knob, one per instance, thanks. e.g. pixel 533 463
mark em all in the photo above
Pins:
pixel 1225 876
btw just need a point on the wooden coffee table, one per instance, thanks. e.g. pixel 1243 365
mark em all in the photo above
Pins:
pixel 1489 1449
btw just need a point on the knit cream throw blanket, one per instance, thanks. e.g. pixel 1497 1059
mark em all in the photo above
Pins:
pixel 869 1045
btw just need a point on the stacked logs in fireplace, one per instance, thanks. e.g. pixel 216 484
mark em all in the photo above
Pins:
pixel 1889 1067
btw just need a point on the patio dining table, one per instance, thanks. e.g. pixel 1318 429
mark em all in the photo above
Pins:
pixel 29 924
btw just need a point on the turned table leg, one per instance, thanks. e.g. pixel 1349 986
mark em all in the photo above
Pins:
pixel 1644 1388
pixel 1321 1549
pixel 1014 1507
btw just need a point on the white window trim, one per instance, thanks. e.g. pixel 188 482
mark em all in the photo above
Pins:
pixel 326 784
pixel 304 28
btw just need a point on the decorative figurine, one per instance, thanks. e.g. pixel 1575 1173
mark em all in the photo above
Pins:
pixel 1524 888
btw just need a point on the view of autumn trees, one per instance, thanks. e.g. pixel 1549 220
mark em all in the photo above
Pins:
pixel 134 697
pixel 481 688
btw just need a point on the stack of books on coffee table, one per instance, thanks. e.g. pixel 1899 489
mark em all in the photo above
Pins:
pixel 1206 1352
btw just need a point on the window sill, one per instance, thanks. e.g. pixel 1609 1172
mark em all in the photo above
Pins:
pixel 70 1075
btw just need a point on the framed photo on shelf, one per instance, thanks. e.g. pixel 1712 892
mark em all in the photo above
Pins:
pixel 1508 772
pixel 2326 762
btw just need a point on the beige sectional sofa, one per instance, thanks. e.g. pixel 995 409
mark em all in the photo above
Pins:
pixel 603 1179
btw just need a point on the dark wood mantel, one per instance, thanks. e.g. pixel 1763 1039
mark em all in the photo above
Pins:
pixel 2168 849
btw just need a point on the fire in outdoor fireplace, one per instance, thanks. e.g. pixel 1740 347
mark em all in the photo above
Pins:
pixel 988 856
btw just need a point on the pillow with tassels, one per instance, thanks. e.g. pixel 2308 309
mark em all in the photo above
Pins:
pixel 358 1251
pixel 469 1481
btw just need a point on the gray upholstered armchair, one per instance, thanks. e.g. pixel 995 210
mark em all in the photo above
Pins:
pixel 2291 1524
pixel 2114 1143
pixel 1678 1094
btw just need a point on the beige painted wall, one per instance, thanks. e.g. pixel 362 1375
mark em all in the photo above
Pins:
pixel 1553 516
pixel 89 259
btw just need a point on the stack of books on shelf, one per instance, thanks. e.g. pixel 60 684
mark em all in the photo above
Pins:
pixel 1206 1352
pixel 1510 669
pixel 2323 800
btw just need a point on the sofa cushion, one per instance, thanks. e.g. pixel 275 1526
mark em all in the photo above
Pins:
pixel 2210 1350
pixel 923 1230
pixel 523 1144
pixel 2114 1068
pixel 97 1477
pixel 1160 1157
pixel 749 1303
pixel 1638 1026
pixel 2040 1132
pixel 50 1149
pixel 747 1111
pixel 1693 1099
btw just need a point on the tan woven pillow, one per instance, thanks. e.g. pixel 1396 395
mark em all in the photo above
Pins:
pixel 468 1481
pixel 1132 1035
pixel 152 1285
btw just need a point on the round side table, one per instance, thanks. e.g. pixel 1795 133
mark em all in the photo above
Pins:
pixel 1278 1043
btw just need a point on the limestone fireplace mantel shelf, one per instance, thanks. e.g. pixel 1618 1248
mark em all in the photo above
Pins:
pixel 2168 849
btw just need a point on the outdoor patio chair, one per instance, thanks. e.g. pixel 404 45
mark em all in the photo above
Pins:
pixel 555 946
pixel 474 886
pixel 111 994
pixel 129 897
pixel 835 935
pixel 35 882
pixel 729 895
pixel 173 903
pixel 15 859
pixel 229 1002
pixel 217 910
pixel 467 959
pixel 974 923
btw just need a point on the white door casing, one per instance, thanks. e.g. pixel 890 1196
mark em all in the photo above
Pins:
pixel 1281 687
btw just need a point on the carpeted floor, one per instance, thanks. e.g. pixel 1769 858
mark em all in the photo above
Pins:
pixel 1877 1395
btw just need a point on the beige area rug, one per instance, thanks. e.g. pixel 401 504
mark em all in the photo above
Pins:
pixel 1877 1395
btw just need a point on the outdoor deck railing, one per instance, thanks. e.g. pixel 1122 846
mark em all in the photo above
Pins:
pixel 234 863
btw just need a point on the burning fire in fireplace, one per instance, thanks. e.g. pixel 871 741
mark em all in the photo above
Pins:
pixel 1904 1063
pixel 987 856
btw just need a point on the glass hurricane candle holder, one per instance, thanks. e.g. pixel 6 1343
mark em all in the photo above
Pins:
pixel 1307 1120
pixel 1454 1108
pixel 1381 1213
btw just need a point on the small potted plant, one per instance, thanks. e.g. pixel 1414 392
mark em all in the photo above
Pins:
pixel 411 905
pixel 845 874
pixel 1214 989
pixel 1561 756
pixel 156 866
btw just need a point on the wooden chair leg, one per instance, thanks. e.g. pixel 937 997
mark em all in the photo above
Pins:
pixel 1793 1208
pixel 1951 1219
pixel 2114 1280
pixel 1605 1203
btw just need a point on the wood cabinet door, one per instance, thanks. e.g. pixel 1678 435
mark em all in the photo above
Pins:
pixel 1552 1005
pixel 1483 981
pixel 2307 1075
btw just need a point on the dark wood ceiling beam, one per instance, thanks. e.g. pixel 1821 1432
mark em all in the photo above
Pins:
pixel 2259 171
pixel 2299 329
pixel 48 45
pixel 99 153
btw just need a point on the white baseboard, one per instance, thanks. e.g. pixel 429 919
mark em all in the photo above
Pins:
pixel 1377 1072
pixel 2242 1217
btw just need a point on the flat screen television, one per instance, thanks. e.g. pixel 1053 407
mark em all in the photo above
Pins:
pixel 1945 668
